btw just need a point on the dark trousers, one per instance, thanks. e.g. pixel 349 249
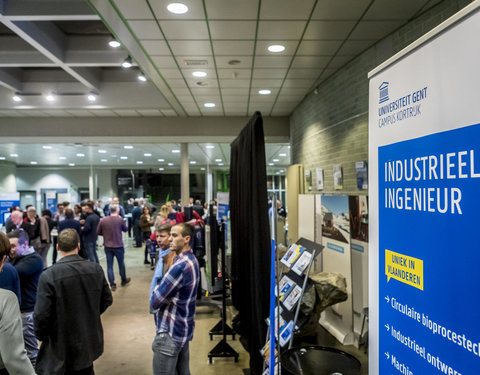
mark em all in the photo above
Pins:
pixel 129 224
pixel 146 236
pixel 85 371
pixel 137 235
pixel 54 253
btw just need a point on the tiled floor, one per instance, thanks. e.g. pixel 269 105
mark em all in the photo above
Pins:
pixel 129 331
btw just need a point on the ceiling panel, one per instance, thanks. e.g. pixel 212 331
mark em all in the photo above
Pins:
pixel 103 112
pixel 149 112
pixel 80 113
pixel 328 30
pixel 164 61
pixel 354 47
pixel 303 73
pixel 134 10
pixel 205 91
pixel 232 29
pixel 175 30
pixel 287 30
pixel 234 73
pixel 155 47
pixel 195 10
pixel 201 83
pixel 145 29
pixel 283 10
pixel 126 112
pixel 297 83
pixel 171 73
pixel 315 62
pixel 176 83
pixel 229 47
pixel 231 9
pixel 318 47
pixel 339 61
pixel 272 61
pixel 394 9
pixel 340 9
pixel 191 47
pixel 223 61
pixel 374 29
pixel 237 83
pixel 237 99
pixel 269 73
pixel 266 83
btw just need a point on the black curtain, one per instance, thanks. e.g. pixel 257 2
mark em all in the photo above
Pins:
pixel 250 237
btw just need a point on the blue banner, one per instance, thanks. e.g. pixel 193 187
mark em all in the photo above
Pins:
pixel 429 190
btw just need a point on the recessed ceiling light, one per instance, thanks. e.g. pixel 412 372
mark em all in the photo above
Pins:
pixel 202 169
pixel 275 160
pixel 128 147
pixel 276 48
pixel 277 172
pixel 170 164
pixel 50 97
pixel 123 157
pixel 147 155
pixel 218 160
pixel 283 155
pixel 281 171
pixel 271 164
pixel 176 151
pixel 114 43
pixel 161 160
pixel 177 8
pixel 127 63
pixel 14 155
pixel 221 164
pixel 62 157
pixel 141 77
pixel 161 169
pixel 71 164
pixel 102 151
pixel 81 155
pixel 139 162
pixel 193 162
pixel 209 105
pixel 288 146
pixel 91 97
pixel 103 160
pixel 16 98
pixel 199 74
pixel 47 147
pixel 2 157
pixel 264 92
pixel 34 162
pixel 209 146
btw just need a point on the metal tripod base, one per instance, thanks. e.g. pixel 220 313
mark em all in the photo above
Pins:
pixel 222 349
pixel 218 330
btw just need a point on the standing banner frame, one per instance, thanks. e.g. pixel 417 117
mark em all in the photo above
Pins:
pixel 424 159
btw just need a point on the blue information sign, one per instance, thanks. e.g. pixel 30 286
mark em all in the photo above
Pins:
pixel 429 202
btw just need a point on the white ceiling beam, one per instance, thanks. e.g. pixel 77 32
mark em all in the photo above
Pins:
pixel 11 79
pixel 48 10
pixel 46 38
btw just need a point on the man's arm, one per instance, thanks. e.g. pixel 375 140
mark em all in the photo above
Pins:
pixel 107 298
pixel 99 228
pixel 168 287
pixel 12 347
pixel 44 314
pixel 124 227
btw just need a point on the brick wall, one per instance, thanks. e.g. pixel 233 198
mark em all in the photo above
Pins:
pixel 331 126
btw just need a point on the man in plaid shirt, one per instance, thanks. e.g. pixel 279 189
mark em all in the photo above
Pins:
pixel 175 299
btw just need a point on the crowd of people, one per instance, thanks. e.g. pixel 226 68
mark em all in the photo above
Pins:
pixel 60 305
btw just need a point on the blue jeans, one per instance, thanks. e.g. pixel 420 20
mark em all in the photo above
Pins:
pixel 90 248
pixel 168 359
pixel 31 343
pixel 117 252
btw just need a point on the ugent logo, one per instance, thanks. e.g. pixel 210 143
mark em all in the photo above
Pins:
pixel 383 89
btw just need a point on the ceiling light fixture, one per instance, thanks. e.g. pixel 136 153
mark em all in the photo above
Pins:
pixel 141 77
pixel 103 160
pixel 14 155
pixel 71 164
pixel 276 48
pixel 193 162
pixel 202 169
pixel 124 157
pixel 161 169
pixel 102 151
pixel 221 164
pixel 81 155
pixel 2 157
pixel 50 97
pixel 47 147
pixel 34 162
pixel 199 74
pixel 128 147
pixel 170 164
pixel 127 63
pixel 16 98
pixel 62 157
pixel 177 8
pixel 147 155
pixel 275 160
pixel 218 160
pixel 271 164
pixel 283 155
pixel 209 146
pixel 176 151
pixel 92 97
pixel 161 160
pixel 264 92
pixel 139 162
pixel 209 105
pixel 114 43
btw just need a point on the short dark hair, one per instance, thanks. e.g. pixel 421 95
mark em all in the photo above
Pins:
pixel 186 229
pixel 90 204
pixel 4 245
pixel 60 204
pixel 164 228
pixel 69 213
pixel 20 234
pixel 68 240
pixel 46 213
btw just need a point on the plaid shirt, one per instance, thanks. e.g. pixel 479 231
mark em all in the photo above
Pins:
pixel 175 299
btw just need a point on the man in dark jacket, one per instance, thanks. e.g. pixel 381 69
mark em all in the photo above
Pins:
pixel 72 294
pixel 89 231
pixel 137 234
